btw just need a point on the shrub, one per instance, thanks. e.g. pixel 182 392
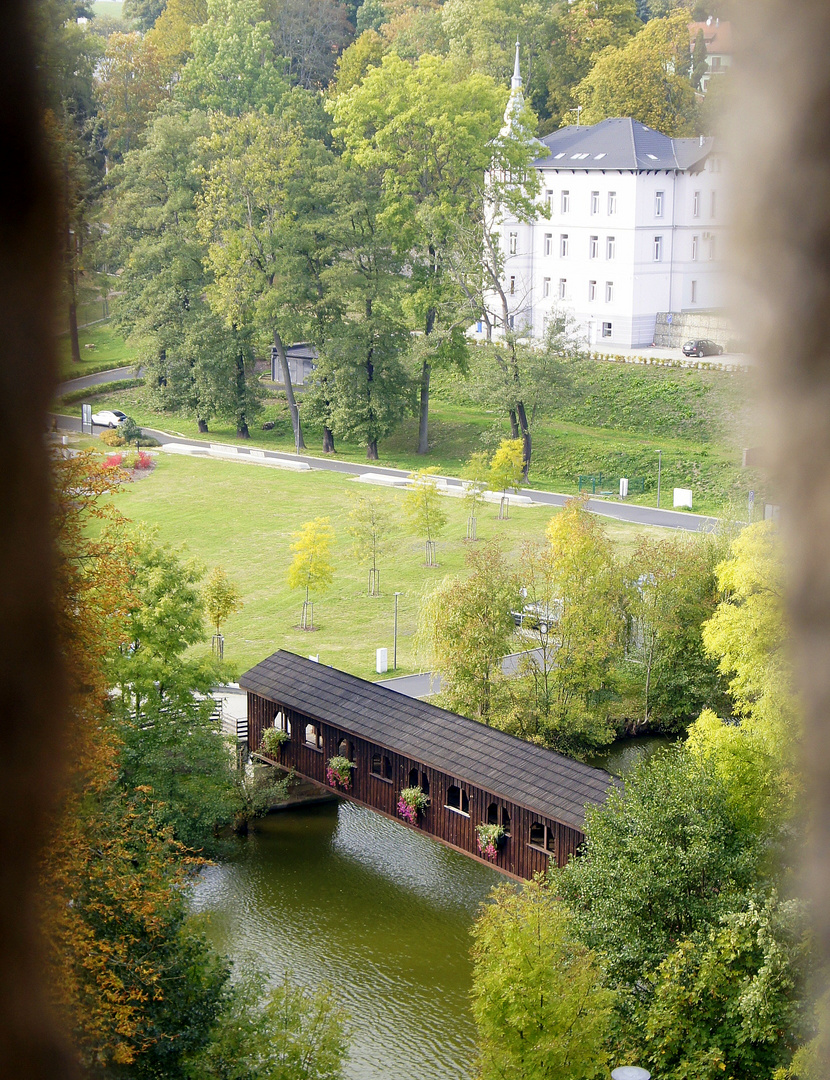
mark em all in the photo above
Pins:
pixel 114 461
pixel 111 438
pixel 141 461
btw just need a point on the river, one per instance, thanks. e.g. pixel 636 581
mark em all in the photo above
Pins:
pixel 336 893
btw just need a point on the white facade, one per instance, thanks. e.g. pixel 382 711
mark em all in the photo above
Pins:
pixel 630 223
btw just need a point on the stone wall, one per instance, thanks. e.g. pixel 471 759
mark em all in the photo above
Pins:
pixel 692 324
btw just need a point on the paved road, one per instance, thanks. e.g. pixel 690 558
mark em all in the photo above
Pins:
pixel 84 382
pixel 639 515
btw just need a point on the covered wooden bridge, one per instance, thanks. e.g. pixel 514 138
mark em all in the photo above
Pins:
pixel 473 774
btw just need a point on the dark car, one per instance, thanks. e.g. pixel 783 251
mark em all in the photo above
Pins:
pixel 702 347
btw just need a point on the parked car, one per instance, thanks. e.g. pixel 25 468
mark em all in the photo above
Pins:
pixel 541 617
pixel 110 418
pixel 702 347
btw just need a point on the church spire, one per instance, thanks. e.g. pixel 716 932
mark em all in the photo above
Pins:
pixel 516 101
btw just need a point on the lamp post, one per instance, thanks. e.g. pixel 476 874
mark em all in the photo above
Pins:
pixel 395 638
pixel 659 469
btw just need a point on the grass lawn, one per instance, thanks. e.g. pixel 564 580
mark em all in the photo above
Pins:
pixel 242 516
pixel 110 351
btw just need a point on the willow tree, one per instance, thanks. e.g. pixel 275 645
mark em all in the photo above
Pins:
pixel 312 565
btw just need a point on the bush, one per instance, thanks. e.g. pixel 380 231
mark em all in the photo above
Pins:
pixel 111 438
pixel 141 461
pixel 114 461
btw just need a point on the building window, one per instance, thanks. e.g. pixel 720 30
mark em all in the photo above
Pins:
pixel 606 329
pixel 711 247
pixel 376 765
pixel 313 737
pixel 563 245
pixel 546 286
pixel 658 204
pixel 493 814
pixel 511 322
pixel 694 248
pixel 714 202
pixel 565 202
pixel 387 769
pixel 282 722
pixel 346 749
pixel 512 286
pixel 592 291
pixel 715 62
pixel 593 247
pixel 479 326
pixel 696 204
pixel 549 201
pixel 609 292
pixel 544 837
pixel 610 247
pixel 548 243
pixel 505 821
pixel 563 288
pixel 594 202
pixel 512 242
pixel 457 800
pixel 612 202
pixel 658 248
pixel 694 292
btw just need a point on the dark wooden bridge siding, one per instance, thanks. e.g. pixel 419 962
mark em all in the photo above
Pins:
pixel 516 857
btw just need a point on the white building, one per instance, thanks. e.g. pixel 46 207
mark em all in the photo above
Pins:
pixel 629 224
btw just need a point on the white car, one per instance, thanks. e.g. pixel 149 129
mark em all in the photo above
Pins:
pixel 109 418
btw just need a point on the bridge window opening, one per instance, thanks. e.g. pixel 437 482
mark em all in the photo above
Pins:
pixel 413 777
pixel 505 821
pixel 458 800
pixel 544 837
pixel 313 737
pixel 376 764
pixel 493 814
pixel 346 749
pixel 282 722
pixel 424 783
pixel 387 769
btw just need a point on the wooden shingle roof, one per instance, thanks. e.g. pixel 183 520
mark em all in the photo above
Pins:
pixel 540 780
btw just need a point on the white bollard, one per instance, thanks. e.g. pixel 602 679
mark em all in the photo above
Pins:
pixel 382 665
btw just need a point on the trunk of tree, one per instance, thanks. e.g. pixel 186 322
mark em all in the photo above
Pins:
pixel 202 425
pixel 70 280
pixel 423 422
pixel 524 428
pixel 372 450
pixel 241 419
pixel 299 442
pixel 328 441
pixel 514 424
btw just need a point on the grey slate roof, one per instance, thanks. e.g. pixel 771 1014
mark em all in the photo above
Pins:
pixel 538 779
pixel 620 143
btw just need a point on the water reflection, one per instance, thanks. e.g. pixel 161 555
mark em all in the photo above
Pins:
pixel 338 894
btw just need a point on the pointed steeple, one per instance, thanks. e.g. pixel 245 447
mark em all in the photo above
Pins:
pixel 516 101
pixel 516 81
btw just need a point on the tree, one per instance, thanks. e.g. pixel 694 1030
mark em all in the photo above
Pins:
pixel 312 564
pixel 144 12
pixel 371 524
pixel 233 69
pixel 465 628
pixel 171 35
pixel 747 632
pixel 266 216
pixel 422 506
pixel 222 597
pixel 309 34
pixel 646 79
pixel 676 851
pixel 539 1004
pixel 732 1002
pixel 427 134
pixel 294 1034
pixel 365 52
pixel 131 82
pixel 476 474
pixel 699 61
pixel 672 593
pixel 506 470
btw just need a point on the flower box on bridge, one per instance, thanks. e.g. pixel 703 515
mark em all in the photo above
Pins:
pixel 473 774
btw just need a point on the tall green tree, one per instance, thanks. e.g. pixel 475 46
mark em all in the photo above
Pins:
pixel 647 79
pixel 131 82
pixel 539 1003
pixel 234 68
pixel 465 628
pixel 427 133
pixel 266 215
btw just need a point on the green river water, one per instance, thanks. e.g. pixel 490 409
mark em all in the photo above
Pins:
pixel 335 893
